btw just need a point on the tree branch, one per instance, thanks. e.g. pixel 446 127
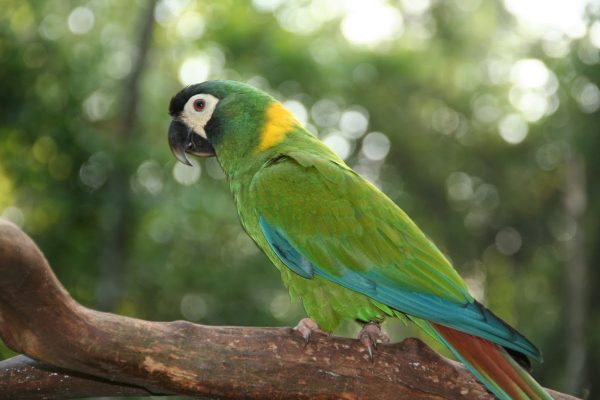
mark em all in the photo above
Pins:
pixel 107 354
pixel 22 378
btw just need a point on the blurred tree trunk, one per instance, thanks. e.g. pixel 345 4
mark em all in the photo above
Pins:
pixel 118 213
pixel 577 273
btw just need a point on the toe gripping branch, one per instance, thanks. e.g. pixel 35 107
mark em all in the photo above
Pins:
pixel 370 335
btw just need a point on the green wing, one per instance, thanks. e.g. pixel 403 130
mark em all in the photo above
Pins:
pixel 321 218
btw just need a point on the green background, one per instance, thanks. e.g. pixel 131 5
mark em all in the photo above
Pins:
pixel 488 137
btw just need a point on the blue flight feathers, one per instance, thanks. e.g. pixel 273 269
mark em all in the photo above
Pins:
pixel 469 317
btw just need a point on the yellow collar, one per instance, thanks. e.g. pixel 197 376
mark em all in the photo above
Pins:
pixel 279 122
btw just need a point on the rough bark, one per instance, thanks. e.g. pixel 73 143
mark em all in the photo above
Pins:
pixel 96 353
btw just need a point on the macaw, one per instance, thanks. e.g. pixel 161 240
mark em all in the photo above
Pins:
pixel 341 245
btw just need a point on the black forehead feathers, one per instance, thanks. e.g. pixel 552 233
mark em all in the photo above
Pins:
pixel 178 101
pixel 209 87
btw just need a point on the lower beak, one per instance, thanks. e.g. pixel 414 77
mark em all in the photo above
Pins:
pixel 184 141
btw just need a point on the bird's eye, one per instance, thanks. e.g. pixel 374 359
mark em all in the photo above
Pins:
pixel 199 104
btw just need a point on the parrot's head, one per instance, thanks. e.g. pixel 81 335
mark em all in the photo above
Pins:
pixel 226 119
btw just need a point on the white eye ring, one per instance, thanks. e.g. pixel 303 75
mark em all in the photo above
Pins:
pixel 198 111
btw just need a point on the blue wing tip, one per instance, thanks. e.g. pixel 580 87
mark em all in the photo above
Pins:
pixel 521 343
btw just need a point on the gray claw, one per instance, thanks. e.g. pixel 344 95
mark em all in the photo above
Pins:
pixel 370 335
pixel 307 327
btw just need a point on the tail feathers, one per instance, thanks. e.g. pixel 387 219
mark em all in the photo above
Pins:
pixel 492 365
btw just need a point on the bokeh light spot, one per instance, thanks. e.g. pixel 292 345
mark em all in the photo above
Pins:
pixel 194 70
pixel 529 73
pixel 193 307
pixel 81 20
pixel 97 106
pixel 540 16
pixel 94 172
pixel 588 97
pixel 44 149
pixel 376 146
pixel 191 26
pixel 280 305
pixel 445 120
pixel 339 144
pixel 325 113
pixel 266 5
pixel 594 34
pixel 370 23
pixel 513 128
pixel 354 122
pixel 150 176
pixel 185 174
pixel 508 241
pixel 459 186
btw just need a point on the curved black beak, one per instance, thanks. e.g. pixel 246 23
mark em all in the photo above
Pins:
pixel 184 140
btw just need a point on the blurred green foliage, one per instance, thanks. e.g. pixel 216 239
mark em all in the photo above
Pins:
pixel 480 118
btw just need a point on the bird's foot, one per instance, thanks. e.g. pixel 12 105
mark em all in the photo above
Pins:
pixel 307 327
pixel 370 335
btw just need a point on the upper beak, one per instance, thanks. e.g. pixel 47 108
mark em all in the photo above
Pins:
pixel 184 140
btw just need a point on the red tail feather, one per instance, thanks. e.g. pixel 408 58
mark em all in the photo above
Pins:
pixel 490 360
